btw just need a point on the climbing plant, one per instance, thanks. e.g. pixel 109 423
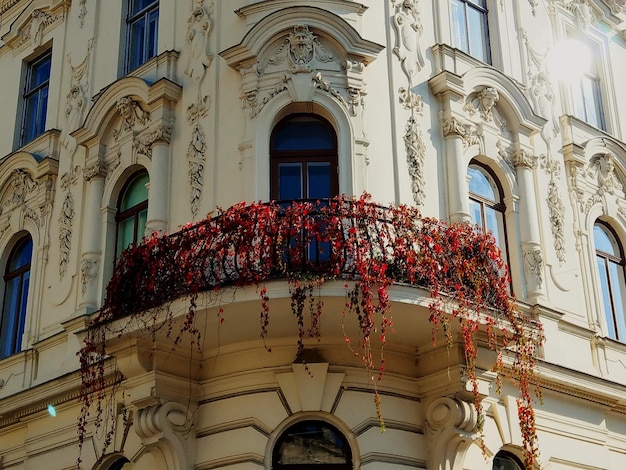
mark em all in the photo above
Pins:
pixel 308 243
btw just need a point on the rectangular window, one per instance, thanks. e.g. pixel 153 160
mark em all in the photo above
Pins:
pixel 470 31
pixel 143 26
pixel 35 98
pixel 587 96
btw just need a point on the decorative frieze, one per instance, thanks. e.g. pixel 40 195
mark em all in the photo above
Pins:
pixel 408 29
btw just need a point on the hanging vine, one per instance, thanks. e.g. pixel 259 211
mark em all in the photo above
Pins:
pixel 308 243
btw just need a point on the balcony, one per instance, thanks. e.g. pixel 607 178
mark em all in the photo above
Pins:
pixel 341 238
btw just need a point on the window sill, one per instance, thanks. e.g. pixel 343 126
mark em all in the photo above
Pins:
pixel 161 66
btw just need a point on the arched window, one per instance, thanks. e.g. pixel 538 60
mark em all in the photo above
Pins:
pixel 312 444
pixel 132 211
pixel 610 260
pixel 303 152
pixel 16 280
pixel 506 461
pixel 486 206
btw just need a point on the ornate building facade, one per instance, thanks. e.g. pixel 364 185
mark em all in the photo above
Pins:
pixel 128 118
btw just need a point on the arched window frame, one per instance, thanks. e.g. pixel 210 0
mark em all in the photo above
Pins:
pixel 131 213
pixel 304 156
pixel 276 465
pixel 612 281
pixel 496 204
pixel 505 460
pixel 14 318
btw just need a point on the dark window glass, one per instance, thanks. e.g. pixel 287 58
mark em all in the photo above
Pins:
pixel 470 31
pixel 142 24
pixel 312 444
pixel 611 270
pixel 16 281
pixel 132 212
pixel 35 98
pixel 506 461
pixel 303 159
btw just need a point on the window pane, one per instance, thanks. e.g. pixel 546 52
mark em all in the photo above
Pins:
pixel 459 30
pixel 137 43
pixel 136 193
pixel 125 234
pixel 476 214
pixel 616 273
pixel 138 5
pixel 9 316
pixel 477 34
pixel 153 21
pixel 142 218
pixel 603 241
pixel 493 224
pixel 290 181
pixel 606 296
pixel 479 184
pixel 318 180
pixel 40 73
pixel 21 256
pixel 312 443
pixel 304 134
pixel 590 104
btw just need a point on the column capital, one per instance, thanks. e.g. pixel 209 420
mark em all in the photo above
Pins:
pixel 94 171
pixel 524 159
pixel 145 140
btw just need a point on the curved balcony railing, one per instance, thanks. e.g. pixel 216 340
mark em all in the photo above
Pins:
pixel 340 238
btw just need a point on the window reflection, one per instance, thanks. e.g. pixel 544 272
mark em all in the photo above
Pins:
pixel 132 212
pixel 611 271
pixel 17 280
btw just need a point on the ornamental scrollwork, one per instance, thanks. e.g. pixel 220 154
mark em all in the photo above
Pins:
pixel 524 159
pixel 533 265
pixel 409 29
pixel 199 27
pixel 145 141
pixel 196 152
pixel 88 272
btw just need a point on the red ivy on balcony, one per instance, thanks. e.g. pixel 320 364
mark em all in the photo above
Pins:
pixel 367 245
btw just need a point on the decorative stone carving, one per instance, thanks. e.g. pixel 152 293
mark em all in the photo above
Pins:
pixel 21 184
pixel 616 6
pixel 415 156
pixel 76 98
pixel 167 428
pixel 467 132
pixel 533 265
pixel 533 6
pixel 196 153
pixel 408 28
pixel 88 272
pixel 40 19
pixel 414 144
pixel 328 88
pixel 82 12
pixel 540 89
pixel 300 47
pixel 66 219
pixel 199 27
pixel 504 152
pixel 602 171
pixel 133 117
pixel 95 170
pixel 581 9
pixel 451 427
pixel 483 104
pixel 144 141
pixel 557 220
pixel 522 158
pixel 255 105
